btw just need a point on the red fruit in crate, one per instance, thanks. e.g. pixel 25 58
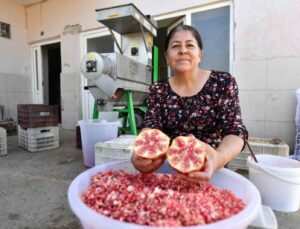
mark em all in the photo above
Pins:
pixel 151 144
pixel 186 154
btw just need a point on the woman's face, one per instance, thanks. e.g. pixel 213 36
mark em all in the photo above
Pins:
pixel 183 53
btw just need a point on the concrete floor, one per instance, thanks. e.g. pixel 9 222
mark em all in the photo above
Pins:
pixel 33 187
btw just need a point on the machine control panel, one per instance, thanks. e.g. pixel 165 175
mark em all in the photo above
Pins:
pixel 91 66
pixel 134 51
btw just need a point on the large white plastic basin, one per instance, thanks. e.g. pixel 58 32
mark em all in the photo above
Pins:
pixel 223 178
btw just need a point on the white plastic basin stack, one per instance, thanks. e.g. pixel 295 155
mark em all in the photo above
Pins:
pixel 254 214
pixel 278 181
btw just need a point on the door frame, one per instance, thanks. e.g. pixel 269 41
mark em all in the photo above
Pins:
pixel 87 99
pixel 37 73
pixel 182 20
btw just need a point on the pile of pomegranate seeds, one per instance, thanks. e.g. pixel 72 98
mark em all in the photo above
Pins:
pixel 159 199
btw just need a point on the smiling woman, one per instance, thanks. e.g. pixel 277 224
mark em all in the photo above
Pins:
pixel 194 101
pixel 183 54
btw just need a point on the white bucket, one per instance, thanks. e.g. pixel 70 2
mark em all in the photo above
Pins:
pixel 93 131
pixel 278 180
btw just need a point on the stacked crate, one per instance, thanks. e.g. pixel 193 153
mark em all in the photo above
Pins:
pixel 259 146
pixel 37 127
pixel 114 150
pixel 3 142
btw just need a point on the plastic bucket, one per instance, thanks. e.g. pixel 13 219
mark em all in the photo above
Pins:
pixel 93 131
pixel 278 180
pixel 223 178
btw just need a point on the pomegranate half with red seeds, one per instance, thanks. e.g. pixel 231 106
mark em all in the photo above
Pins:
pixel 151 144
pixel 186 154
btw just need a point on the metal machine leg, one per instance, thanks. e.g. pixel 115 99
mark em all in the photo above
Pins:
pixel 95 111
pixel 127 113
pixel 130 108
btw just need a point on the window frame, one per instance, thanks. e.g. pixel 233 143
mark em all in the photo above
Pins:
pixel 187 14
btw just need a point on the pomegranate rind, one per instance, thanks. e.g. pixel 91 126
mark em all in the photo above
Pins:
pixel 186 154
pixel 151 144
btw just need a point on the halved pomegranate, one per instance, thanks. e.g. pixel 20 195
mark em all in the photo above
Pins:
pixel 151 144
pixel 186 154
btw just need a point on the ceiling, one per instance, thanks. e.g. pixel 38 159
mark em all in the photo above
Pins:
pixel 28 2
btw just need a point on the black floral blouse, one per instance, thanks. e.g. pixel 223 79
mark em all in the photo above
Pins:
pixel 210 115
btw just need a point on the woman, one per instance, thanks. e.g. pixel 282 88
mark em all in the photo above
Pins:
pixel 195 101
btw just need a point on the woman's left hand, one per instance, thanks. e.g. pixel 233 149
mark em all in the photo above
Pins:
pixel 209 167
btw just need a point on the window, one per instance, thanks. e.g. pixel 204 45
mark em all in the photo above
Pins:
pixel 214 28
pixel 4 30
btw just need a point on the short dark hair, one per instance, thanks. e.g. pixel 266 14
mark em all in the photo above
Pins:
pixel 178 28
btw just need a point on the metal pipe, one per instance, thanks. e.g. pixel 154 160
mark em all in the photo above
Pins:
pixel 113 35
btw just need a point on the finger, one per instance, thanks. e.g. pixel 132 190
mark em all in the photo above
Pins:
pixel 158 162
pixel 204 176
pixel 141 161
pixel 140 164
pixel 190 179
pixel 155 165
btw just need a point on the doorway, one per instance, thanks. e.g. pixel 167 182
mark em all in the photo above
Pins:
pixel 51 75
pixel 46 65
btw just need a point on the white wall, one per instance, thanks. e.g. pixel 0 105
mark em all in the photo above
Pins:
pixel 15 83
pixel 53 15
pixel 70 77
pixel 61 18
pixel 266 51
pixel 267 65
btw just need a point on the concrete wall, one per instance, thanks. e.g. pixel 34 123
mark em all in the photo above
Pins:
pixel 66 19
pixel 265 43
pixel 267 65
pixel 70 77
pixel 52 16
pixel 15 80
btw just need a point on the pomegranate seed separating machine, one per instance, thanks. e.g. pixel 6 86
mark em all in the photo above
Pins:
pixel 119 81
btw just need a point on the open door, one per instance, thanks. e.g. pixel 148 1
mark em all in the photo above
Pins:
pixel 51 62
pixel 37 72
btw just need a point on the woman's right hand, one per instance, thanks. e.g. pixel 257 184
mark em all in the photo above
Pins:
pixel 146 165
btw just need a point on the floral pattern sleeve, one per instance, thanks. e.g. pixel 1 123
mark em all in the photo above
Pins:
pixel 229 115
pixel 153 118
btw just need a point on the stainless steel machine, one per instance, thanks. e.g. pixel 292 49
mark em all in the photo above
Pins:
pixel 122 78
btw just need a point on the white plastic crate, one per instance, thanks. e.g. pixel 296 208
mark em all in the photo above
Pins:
pixel 114 150
pixel 3 142
pixel 38 139
pixel 259 146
